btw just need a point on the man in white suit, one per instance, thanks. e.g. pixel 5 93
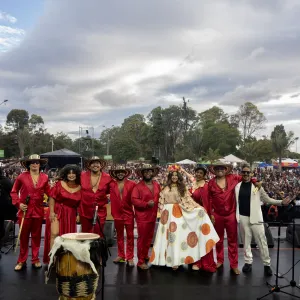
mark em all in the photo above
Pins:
pixel 249 215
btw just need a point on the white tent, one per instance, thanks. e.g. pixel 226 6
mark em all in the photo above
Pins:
pixel 231 159
pixel 186 162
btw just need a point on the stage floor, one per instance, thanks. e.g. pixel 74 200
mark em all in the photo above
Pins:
pixel 158 283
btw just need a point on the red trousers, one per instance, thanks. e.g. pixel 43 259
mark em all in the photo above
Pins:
pixel 33 227
pixel 145 236
pixel 207 262
pixel 87 226
pixel 120 225
pixel 230 224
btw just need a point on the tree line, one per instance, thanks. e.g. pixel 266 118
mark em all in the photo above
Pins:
pixel 168 134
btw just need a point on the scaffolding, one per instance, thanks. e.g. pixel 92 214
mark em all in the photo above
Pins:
pixel 86 141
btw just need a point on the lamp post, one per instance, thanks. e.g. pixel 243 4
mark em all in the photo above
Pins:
pixel 296 139
pixel 107 144
pixel 4 101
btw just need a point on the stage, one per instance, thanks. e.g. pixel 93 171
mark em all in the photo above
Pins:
pixel 158 283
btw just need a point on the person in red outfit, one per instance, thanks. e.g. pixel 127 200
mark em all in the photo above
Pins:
pixel 122 212
pixel 199 193
pixel 64 199
pixel 222 208
pixel 145 197
pixel 34 184
pixel 94 190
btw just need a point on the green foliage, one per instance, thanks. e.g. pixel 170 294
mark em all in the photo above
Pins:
pixel 170 134
pixel 281 141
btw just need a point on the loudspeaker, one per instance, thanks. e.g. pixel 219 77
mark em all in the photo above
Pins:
pixel 154 235
pixel 109 232
pixel 270 239
pixel 8 232
pixel 289 234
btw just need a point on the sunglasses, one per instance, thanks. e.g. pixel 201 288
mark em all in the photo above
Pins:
pixel 219 168
pixel 34 162
pixel 246 172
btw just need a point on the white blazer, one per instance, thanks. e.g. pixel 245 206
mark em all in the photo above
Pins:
pixel 256 216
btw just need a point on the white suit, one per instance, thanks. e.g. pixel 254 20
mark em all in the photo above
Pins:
pixel 253 225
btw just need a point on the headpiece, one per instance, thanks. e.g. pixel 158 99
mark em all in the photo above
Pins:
pixel 173 168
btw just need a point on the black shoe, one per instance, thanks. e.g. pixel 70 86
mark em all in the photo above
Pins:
pixel 268 271
pixel 247 268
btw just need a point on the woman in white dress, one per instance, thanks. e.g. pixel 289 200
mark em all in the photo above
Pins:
pixel 185 232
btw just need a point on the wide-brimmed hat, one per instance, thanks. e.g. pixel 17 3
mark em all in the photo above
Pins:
pixel 228 167
pixel 34 157
pixel 144 167
pixel 116 169
pixel 102 162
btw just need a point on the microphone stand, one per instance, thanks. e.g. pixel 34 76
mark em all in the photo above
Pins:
pixel 276 288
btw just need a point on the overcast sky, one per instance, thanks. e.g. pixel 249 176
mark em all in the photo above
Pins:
pixel 94 63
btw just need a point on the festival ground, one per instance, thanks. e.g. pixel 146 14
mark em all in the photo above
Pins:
pixel 158 283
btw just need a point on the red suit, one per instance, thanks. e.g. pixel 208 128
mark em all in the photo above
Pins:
pixel 90 199
pixel 223 208
pixel 145 217
pixel 65 208
pixel 123 214
pixel 200 195
pixel 33 221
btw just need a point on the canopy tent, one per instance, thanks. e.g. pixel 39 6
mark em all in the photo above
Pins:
pixel 62 157
pixel 232 159
pixel 286 163
pixel 186 162
pixel 204 162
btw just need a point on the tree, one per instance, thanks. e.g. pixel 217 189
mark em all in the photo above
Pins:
pixel 281 141
pixel 36 123
pixel 212 155
pixel 212 116
pixel 17 119
pixel 221 136
pixel 249 119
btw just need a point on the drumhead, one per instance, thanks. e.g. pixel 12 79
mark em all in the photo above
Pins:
pixel 80 236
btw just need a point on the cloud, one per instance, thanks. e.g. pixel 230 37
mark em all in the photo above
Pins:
pixel 115 59
pixel 7 17
pixel 10 37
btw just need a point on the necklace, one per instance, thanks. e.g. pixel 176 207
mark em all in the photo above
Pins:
pixel 97 182
pixel 174 185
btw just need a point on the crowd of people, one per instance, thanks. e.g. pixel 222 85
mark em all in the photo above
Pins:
pixel 195 204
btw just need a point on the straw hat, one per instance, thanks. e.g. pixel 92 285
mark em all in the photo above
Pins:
pixel 144 167
pixel 116 169
pixel 33 158
pixel 102 162
pixel 228 168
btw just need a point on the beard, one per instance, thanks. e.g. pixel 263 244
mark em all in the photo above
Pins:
pixel 96 172
pixel 147 179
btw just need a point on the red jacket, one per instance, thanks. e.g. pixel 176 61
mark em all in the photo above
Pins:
pixel 141 195
pixel 89 198
pixel 200 195
pixel 121 207
pixel 24 187
pixel 223 202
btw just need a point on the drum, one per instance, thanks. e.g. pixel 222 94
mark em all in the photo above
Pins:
pixel 75 272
